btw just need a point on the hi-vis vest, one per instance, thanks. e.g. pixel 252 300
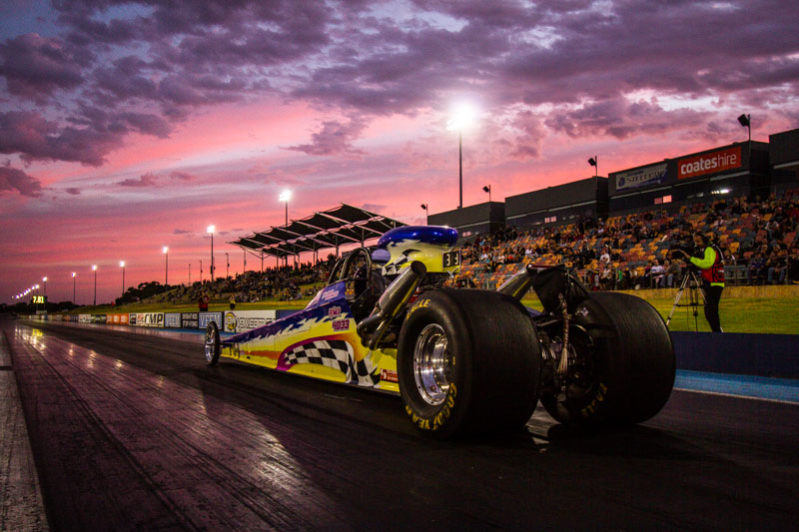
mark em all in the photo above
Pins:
pixel 714 274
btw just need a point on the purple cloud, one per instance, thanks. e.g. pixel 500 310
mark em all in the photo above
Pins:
pixel 35 66
pixel 334 138
pixel 13 179
pixel 146 180
pixel 182 176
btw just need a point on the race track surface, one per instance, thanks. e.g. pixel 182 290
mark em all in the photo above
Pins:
pixel 133 431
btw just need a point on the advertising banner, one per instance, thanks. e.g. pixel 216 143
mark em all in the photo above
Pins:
pixel 84 318
pixel 132 318
pixel 709 163
pixel 190 320
pixel 149 319
pixel 117 319
pixel 244 320
pixel 99 318
pixel 172 320
pixel 208 317
pixel 641 177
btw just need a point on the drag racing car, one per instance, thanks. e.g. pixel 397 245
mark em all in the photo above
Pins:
pixel 468 361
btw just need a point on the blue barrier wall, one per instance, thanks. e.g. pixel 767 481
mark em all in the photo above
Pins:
pixel 766 355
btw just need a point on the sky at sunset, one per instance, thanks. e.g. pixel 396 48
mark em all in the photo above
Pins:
pixel 129 126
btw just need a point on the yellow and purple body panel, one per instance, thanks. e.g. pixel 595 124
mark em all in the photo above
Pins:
pixel 319 341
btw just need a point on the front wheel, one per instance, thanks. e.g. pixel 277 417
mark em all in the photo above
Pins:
pixel 212 344
pixel 468 362
pixel 621 368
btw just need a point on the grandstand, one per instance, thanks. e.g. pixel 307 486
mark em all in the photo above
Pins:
pixel 615 232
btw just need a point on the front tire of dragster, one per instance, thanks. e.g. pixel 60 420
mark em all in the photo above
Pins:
pixel 468 362
pixel 633 367
pixel 213 346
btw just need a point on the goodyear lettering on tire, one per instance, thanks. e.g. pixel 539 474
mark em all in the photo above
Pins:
pixel 598 399
pixel 441 417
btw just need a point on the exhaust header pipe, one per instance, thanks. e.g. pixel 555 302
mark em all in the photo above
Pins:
pixel 394 299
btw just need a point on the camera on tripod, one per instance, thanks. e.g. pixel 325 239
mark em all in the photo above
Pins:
pixel 684 245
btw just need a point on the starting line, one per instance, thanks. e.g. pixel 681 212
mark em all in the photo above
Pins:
pixel 749 386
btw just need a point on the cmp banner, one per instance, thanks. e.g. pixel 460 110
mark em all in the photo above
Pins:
pixel 84 318
pixel 99 318
pixel 150 319
pixel 237 321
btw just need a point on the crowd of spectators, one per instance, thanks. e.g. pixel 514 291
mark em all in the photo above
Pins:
pixel 631 251
pixel 758 239
pixel 285 283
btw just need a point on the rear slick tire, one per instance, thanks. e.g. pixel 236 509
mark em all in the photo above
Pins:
pixel 212 344
pixel 625 365
pixel 468 362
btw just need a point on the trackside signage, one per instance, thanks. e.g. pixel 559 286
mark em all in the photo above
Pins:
pixel 149 319
pixel 641 177
pixel 709 163
pixel 244 320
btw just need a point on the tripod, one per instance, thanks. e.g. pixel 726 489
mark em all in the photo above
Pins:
pixel 694 284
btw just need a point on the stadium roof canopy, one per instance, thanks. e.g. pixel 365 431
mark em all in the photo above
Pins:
pixel 327 229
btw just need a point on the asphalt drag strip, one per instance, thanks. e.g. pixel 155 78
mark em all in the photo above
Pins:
pixel 134 432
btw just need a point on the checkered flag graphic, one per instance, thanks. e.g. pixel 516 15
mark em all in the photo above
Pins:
pixel 336 354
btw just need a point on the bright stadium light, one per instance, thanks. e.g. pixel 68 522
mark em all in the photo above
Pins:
pixel 463 116
pixel 122 265
pixel 94 269
pixel 74 274
pixel 285 197
pixel 165 251
pixel 211 230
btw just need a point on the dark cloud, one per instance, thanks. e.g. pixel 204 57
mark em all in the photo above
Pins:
pixel 156 63
pixel 73 191
pixel 334 138
pixel 146 180
pixel 182 176
pixel 181 232
pixel 621 119
pixel 35 138
pixel 15 180
pixel 35 66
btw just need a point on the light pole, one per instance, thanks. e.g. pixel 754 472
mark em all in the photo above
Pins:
pixel 44 280
pixel 94 269
pixel 211 229
pixel 122 265
pixel 463 117
pixel 74 274
pixel 227 265
pixel 594 161
pixel 487 188
pixel 190 274
pixel 426 212
pixel 165 251
pixel 746 121
pixel 286 196
pixel 201 270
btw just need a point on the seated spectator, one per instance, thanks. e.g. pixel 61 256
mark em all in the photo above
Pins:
pixel 657 274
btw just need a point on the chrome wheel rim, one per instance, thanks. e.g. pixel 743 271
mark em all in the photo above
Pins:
pixel 431 364
pixel 210 345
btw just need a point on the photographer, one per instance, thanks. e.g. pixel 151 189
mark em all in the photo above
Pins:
pixel 710 261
